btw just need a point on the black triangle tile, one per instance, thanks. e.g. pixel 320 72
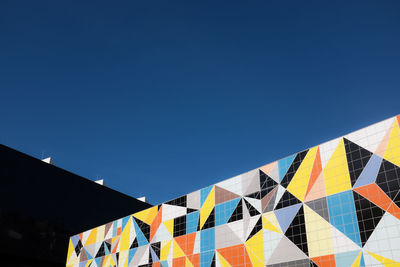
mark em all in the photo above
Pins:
pixel 252 211
pixel 189 210
pixel 267 184
pixel 287 200
pixel 296 231
pixel 368 215
pixel 213 261
pixel 150 256
pixel 144 227
pixel 134 244
pixel 78 247
pixel 180 226
pixel 101 251
pixel 255 195
pixel 156 248
pixel 107 243
pixel 237 213
pixel 388 179
pixel 180 201
pixel 293 168
pixel 357 159
pixel 210 222
pixel 396 199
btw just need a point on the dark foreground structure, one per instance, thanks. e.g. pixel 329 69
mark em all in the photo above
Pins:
pixel 43 205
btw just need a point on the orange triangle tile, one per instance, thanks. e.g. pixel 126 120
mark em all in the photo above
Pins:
pixel 325 261
pixel 375 194
pixel 194 259
pixel 317 169
pixel 317 190
pixel 394 210
pixel 236 255
pixel 179 262
pixel 186 243
pixel 156 223
pixel 116 246
pixel 156 264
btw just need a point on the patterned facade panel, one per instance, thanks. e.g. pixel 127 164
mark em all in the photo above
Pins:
pixel 336 204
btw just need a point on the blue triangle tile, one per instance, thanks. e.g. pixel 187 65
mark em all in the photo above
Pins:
pixel 204 194
pixel 368 175
pixel 142 240
pixel 346 258
pixel 286 215
pixel 283 166
pixel 153 255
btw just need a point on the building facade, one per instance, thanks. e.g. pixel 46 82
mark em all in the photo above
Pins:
pixel 335 204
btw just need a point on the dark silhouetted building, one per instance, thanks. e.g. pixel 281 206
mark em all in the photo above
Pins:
pixel 43 205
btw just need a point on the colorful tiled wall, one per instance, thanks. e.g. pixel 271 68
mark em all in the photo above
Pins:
pixel 336 204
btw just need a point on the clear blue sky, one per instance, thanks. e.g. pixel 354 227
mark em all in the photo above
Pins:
pixel 161 98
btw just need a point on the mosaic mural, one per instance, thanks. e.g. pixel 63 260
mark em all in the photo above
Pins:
pixel 336 204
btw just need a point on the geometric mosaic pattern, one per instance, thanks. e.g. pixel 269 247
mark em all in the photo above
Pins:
pixel 336 204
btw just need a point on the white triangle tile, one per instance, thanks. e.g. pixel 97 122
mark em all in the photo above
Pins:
pixel 386 235
pixel 256 203
pixel 341 243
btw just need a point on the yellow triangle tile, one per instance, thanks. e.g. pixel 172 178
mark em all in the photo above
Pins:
pixel 124 242
pixel 88 263
pixel 356 263
pixel 92 237
pixel 255 249
pixel 177 251
pixel 319 235
pixel 207 207
pixel 336 171
pixel 385 261
pixel 392 152
pixel 188 263
pixel 255 261
pixel 147 215
pixel 70 250
pixel 112 263
pixel 270 222
pixel 223 262
pixel 165 249
pixel 298 185
pixel 141 215
pixel 170 226
pixel 151 215
pixel 269 226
